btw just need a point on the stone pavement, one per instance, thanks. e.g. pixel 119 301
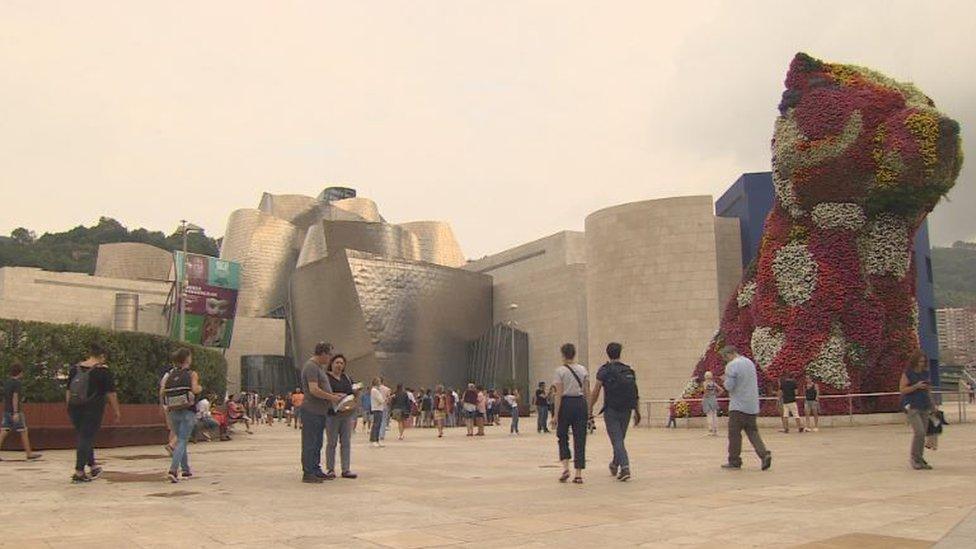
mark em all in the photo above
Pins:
pixel 841 487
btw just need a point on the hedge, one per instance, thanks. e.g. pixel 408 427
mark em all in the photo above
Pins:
pixel 137 359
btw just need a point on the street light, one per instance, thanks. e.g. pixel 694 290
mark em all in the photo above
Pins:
pixel 184 229
pixel 512 324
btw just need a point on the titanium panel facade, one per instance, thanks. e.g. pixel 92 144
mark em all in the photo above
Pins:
pixel 437 243
pixel 286 206
pixel 380 239
pixel 406 320
pixel 264 245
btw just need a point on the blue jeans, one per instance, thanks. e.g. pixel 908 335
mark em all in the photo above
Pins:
pixel 617 423
pixel 313 430
pixel 183 422
pixel 515 419
pixel 542 422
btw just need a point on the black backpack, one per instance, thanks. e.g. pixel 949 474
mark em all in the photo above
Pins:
pixel 177 393
pixel 620 387
pixel 79 389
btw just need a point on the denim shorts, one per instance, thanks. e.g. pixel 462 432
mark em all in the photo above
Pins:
pixel 9 424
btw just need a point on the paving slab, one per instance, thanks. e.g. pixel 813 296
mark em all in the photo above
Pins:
pixel 839 487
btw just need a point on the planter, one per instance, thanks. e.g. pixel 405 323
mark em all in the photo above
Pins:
pixel 51 429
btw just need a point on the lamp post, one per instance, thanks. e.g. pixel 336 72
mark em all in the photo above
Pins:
pixel 512 324
pixel 184 229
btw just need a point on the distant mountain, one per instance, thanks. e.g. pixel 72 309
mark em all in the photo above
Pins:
pixel 954 272
pixel 76 250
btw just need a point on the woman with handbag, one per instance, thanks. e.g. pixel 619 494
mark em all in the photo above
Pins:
pixel 339 419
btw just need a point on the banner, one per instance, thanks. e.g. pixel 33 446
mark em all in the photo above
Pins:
pixel 211 299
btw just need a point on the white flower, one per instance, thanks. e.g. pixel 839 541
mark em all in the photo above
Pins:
pixel 690 388
pixel 829 365
pixel 766 344
pixel 885 247
pixel 796 273
pixel 784 192
pixel 746 293
pixel 838 215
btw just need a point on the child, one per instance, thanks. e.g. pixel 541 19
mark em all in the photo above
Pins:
pixel 13 414
pixel 672 415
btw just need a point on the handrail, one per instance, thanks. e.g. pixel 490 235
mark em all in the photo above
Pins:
pixel 962 412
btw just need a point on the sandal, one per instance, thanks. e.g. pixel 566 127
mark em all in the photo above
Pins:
pixel 564 477
pixel 578 480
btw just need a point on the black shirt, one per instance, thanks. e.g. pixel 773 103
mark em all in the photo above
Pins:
pixel 10 388
pixel 341 385
pixel 540 398
pixel 101 381
pixel 811 394
pixel 788 388
pixel 400 402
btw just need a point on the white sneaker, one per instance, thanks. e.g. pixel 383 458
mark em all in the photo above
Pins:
pixel 816 430
pixel 375 445
pixel 381 445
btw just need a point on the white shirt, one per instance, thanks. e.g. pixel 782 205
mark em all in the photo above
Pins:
pixel 413 399
pixel 203 408
pixel 377 400
pixel 571 387
pixel 510 399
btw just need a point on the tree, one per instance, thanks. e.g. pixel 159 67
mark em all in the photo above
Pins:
pixel 23 236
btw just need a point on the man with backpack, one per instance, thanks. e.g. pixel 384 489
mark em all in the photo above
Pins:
pixel 90 385
pixel 620 397
pixel 177 393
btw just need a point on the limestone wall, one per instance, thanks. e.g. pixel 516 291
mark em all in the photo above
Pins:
pixel 652 285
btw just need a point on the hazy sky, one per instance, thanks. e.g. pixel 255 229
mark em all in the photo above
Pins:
pixel 509 119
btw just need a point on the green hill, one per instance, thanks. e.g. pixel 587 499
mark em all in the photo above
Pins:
pixel 76 250
pixel 954 272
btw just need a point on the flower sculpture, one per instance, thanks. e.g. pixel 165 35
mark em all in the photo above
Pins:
pixel 858 161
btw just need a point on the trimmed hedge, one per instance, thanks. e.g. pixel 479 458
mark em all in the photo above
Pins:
pixel 137 359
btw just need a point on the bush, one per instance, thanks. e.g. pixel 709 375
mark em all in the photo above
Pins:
pixel 138 360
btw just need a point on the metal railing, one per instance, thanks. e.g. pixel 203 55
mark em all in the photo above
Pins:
pixel 947 400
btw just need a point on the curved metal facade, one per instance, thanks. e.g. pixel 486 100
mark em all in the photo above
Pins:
pixel 381 239
pixel 286 206
pixel 437 243
pixel 266 248
pixel 364 208
pixel 406 320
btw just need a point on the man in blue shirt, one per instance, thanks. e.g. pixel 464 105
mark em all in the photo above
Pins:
pixel 743 387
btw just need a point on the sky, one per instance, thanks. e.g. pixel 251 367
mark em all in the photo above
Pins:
pixel 511 120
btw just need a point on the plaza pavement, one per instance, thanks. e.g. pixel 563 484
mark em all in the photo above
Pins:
pixel 841 487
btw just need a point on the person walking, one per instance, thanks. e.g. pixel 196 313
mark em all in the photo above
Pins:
pixel 618 382
pixel 441 404
pixel 338 423
pixel 90 386
pixel 710 391
pixel 318 401
pixel 787 394
pixel 916 399
pixel 571 387
pixel 366 410
pixel 177 393
pixel 400 409
pixel 13 411
pixel 470 407
pixel 512 398
pixel 743 387
pixel 377 407
pixel 541 409
pixel 811 404
pixel 482 416
pixel 297 398
pixel 672 414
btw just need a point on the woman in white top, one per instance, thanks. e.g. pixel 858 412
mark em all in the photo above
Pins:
pixel 377 404
pixel 572 411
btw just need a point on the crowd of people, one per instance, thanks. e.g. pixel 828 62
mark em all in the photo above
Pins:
pixel 328 405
